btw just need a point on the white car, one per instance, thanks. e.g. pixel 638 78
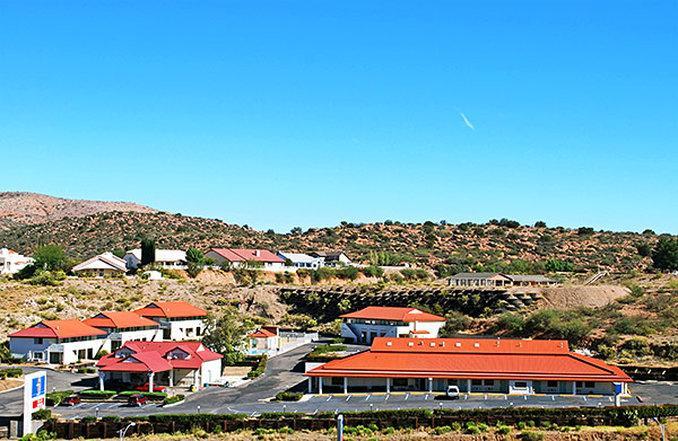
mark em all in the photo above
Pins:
pixel 453 392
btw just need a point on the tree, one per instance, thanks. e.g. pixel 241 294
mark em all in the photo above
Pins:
pixel 296 230
pixel 540 224
pixel 665 254
pixel 225 334
pixel 147 251
pixel 194 255
pixel 50 258
pixel 118 252
pixel 644 249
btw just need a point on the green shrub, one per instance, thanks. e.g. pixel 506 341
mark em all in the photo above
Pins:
pixel 57 397
pixel 42 414
pixel 260 367
pixel 288 396
pixel 95 393
pixel 373 271
pixel 11 373
pixel 173 399
pixel 532 436
pixel 441 430
pixel 149 395
pixel 503 429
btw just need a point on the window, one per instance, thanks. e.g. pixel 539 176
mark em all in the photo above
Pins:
pixel 520 385
pixel 551 384
pixel 400 382
pixel 37 341
pixel 590 384
pixel 489 382
pixel 477 382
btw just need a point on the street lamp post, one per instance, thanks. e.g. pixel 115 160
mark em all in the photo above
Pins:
pixel 124 431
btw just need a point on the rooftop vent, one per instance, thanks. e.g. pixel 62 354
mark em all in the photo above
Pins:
pixel 389 343
pixel 476 345
pixel 257 253
pixel 433 344
pixel 409 343
pixel 458 344
pixel 442 344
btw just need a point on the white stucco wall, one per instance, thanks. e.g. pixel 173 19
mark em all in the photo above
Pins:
pixel 210 371
pixel 186 329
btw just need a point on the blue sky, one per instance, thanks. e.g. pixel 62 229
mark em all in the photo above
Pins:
pixel 306 113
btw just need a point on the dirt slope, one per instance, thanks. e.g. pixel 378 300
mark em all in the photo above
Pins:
pixel 34 208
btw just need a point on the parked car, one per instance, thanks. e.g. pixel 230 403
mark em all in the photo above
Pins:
pixel 73 400
pixel 137 400
pixel 452 392
pixel 144 388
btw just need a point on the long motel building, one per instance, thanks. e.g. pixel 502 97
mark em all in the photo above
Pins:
pixel 520 367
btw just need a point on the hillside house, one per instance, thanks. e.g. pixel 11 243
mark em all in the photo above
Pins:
pixel 172 364
pixel 332 259
pixel 384 321
pixel 247 258
pixel 57 342
pixel 168 259
pixel 178 320
pixel 103 265
pixel 299 260
pixel 518 367
pixel 124 326
pixel 493 280
pixel 12 262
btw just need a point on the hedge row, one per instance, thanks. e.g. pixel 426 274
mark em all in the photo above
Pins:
pixel 10 373
pixel 414 418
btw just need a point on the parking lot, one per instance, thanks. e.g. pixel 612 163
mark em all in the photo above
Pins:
pixel 215 402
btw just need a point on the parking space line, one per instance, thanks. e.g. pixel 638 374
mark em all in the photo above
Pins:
pixel 525 397
pixel 407 396
pixel 387 396
pixel 368 397
pixel 329 398
pixel 425 397
pixel 348 398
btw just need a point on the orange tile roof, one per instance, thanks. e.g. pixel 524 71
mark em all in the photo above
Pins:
pixel 261 333
pixel 506 361
pixel 393 313
pixel 170 310
pixel 58 329
pixel 119 320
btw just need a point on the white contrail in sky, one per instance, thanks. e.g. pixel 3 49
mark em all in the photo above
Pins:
pixel 466 121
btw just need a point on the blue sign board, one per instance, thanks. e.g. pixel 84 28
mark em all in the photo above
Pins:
pixel 38 386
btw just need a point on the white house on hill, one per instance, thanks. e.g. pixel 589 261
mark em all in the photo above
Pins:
pixel 12 262
pixel 102 265
pixel 169 259
pixel 384 321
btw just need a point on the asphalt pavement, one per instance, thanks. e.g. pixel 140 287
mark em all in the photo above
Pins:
pixel 285 372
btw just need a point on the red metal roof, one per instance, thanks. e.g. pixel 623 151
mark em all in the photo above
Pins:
pixel 58 329
pixel 170 310
pixel 393 313
pixel 119 320
pixel 153 357
pixel 246 254
pixel 531 360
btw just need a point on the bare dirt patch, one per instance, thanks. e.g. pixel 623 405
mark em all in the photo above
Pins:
pixel 575 296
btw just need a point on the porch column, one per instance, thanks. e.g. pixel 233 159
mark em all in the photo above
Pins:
pixel 388 385
pixel 150 381
pixel 101 380
pixel 468 386
pixel 430 385
pixel 320 385
pixel 345 385
pixel 171 378
pixel 574 388
pixel 196 378
pixel 310 385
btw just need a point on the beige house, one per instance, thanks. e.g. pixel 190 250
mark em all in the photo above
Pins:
pixel 105 264
pixel 483 280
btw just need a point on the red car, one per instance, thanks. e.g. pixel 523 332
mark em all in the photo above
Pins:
pixel 144 388
pixel 137 400
pixel 73 400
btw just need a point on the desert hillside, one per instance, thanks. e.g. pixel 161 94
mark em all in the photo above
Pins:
pixel 33 208
pixel 442 247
